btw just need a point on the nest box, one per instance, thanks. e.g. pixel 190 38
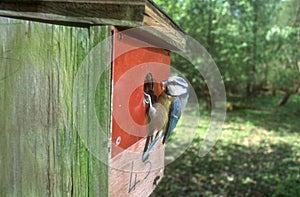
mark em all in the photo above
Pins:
pixel 72 76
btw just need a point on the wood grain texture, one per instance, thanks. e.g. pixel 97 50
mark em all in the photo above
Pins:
pixel 41 151
pixel 85 12
pixel 128 11
pixel 97 12
pixel 130 176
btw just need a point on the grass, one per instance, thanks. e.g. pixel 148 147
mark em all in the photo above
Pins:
pixel 258 154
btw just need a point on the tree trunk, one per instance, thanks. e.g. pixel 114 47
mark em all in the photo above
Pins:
pixel 284 99
pixel 252 72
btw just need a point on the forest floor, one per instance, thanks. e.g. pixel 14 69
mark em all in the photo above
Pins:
pixel 258 153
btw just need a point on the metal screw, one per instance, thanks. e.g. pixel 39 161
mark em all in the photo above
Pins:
pixel 118 141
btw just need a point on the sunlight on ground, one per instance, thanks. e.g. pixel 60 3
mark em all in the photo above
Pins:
pixel 258 154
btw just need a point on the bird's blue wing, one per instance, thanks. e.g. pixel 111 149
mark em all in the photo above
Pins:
pixel 174 115
pixel 147 152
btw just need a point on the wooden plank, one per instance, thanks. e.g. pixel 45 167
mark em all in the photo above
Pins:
pixel 67 20
pixel 130 176
pixel 90 12
pixel 41 150
pixel 157 16
pixel 133 12
pixel 167 30
pixel 97 12
pixel 81 1
pixel 160 37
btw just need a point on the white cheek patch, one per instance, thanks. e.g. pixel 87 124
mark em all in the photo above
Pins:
pixel 176 90
pixel 177 86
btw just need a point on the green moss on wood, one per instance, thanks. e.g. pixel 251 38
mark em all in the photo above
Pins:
pixel 41 153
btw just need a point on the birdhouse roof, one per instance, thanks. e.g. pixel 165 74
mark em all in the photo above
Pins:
pixel 121 13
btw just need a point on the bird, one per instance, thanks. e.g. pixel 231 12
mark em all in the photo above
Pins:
pixel 149 87
pixel 163 115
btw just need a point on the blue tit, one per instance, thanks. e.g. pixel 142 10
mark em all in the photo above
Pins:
pixel 174 97
pixel 164 114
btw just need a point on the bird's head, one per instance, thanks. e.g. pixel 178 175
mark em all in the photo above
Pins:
pixel 175 86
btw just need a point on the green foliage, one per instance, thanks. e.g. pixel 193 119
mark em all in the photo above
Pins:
pixel 285 73
pixel 257 154
pixel 254 43
pixel 289 186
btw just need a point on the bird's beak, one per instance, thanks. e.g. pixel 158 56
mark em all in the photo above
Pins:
pixel 163 85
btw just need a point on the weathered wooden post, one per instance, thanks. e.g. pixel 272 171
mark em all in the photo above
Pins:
pixel 62 84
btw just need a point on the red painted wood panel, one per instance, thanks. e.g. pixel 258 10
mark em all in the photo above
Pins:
pixel 133 59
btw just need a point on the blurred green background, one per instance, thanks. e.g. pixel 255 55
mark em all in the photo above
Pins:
pixel 256 46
